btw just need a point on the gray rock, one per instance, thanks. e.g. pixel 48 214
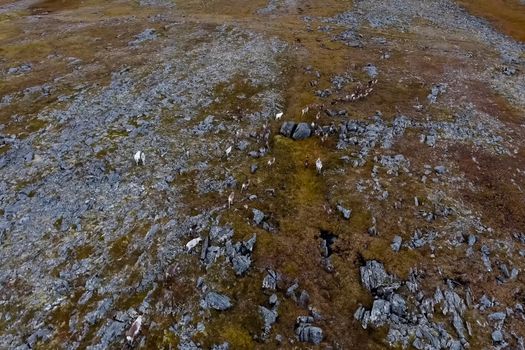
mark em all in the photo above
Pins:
pixel 440 169
pixel 398 305
pixel 301 132
pixel 101 310
pixel 221 233
pixel 307 333
pixel 270 280
pixel 273 299
pixel 108 333
pixel 497 316
pixel 507 70
pixel 324 248
pixel 436 90
pixel 146 35
pixel 258 216
pixel 485 256
pixel 359 313
pixel 457 322
pixel 374 277
pixel 205 126
pixel 453 302
pixel 249 245
pixel 396 243
pixel 505 270
pixel 497 336
pixel 290 292
pixel 304 299
pixel 485 302
pixel 349 38
pixel 371 70
pixel 23 68
pixel 188 345
pixel 380 312
pixel 216 301
pixel 362 315
pixel 287 128
pixel 241 264
pixel 430 140
pixel 345 212
pixel 210 255
pixel 223 346
pixel 242 145
pixel 43 334
pixel 456 345
pixel 269 316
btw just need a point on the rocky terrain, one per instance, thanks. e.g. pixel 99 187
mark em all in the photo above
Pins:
pixel 271 174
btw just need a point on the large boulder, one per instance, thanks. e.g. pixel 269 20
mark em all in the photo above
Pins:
pixel 302 131
pixel 308 333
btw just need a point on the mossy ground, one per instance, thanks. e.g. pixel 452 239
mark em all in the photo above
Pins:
pixel 301 195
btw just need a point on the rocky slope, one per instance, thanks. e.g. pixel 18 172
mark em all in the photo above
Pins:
pixel 316 174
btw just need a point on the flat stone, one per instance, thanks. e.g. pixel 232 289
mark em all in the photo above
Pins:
pixel 497 316
pixel 216 301
pixel 146 35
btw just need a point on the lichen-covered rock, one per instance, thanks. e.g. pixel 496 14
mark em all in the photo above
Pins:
pixel 308 333
pixel 376 279
pixel 241 264
pixel 270 280
pixel 344 212
pixel 216 301
pixel 258 216
pixel 396 243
